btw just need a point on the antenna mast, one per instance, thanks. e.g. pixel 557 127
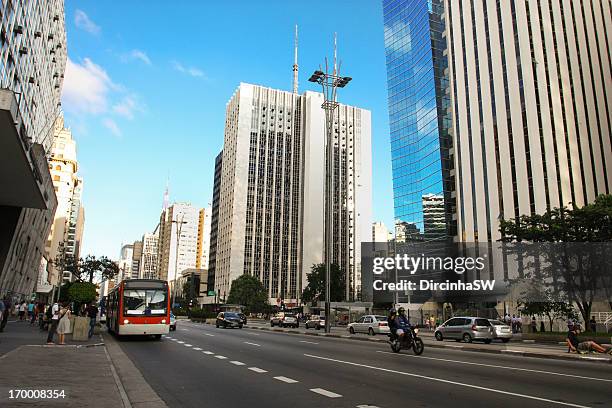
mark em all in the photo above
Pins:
pixel 295 63
pixel 335 53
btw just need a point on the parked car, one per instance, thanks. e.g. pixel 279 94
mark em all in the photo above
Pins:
pixel 501 330
pixel 371 324
pixel 243 318
pixel 172 322
pixel 466 329
pixel 283 319
pixel 317 322
pixel 228 319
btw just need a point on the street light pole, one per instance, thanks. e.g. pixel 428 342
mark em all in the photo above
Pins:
pixel 329 82
pixel 178 240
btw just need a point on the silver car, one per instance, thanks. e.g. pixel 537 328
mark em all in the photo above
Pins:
pixel 466 329
pixel 317 322
pixel 501 330
pixel 371 324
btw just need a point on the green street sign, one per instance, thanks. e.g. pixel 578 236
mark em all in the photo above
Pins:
pixel 211 293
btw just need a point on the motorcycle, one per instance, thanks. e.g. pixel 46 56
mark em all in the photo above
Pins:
pixel 410 340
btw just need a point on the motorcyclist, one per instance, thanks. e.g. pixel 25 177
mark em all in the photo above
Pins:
pixel 392 321
pixel 402 323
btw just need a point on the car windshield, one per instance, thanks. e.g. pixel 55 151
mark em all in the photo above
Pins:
pixel 149 302
pixel 497 323
pixel 227 314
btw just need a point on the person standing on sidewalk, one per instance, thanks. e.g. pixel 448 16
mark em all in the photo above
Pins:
pixel 2 312
pixel 54 323
pixel 5 315
pixel 63 326
pixel 22 310
pixel 92 313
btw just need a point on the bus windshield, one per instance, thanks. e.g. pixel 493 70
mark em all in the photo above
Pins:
pixel 146 302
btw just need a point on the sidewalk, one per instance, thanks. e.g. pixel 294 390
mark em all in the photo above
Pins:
pixel 93 374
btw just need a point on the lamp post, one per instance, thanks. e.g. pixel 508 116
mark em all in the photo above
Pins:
pixel 178 240
pixel 329 82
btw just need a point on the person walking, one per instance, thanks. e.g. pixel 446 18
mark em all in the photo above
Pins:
pixel 63 326
pixel 534 326
pixel 2 312
pixel 30 311
pixel 542 328
pixel 5 315
pixel 92 313
pixel 22 310
pixel 54 322
pixel 593 324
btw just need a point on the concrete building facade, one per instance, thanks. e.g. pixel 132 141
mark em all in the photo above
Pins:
pixel 149 262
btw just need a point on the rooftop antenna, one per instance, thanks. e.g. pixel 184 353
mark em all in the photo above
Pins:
pixel 166 195
pixel 335 53
pixel 295 63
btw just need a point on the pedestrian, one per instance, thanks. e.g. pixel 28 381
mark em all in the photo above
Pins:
pixel 30 311
pixel 22 310
pixel 593 324
pixel 542 328
pixel 534 327
pixel 5 315
pixel 2 311
pixel 54 322
pixel 63 326
pixel 33 313
pixel 92 313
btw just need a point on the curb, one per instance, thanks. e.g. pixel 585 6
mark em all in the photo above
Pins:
pixel 568 357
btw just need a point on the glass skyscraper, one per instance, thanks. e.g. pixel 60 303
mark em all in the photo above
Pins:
pixel 419 117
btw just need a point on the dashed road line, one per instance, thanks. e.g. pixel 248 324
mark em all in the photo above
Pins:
pixel 366 406
pixel 252 344
pixel 257 370
pixel 286 379
pixel 210 353
pixel 325 393
pixel 180 342
pixel 197 348
pixel 188 345
pixel 208 334
pixel 238 363
pixel 308 342
pixel 220 357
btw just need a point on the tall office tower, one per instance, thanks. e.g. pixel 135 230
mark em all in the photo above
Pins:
pixel 532 96
pixel 271 198
pixel 67 228
pixel 418 106
pixel 148 262
pixel 125 262
pixel 214 222
pixel 136 259
pixel 380 232
pixel 32 65
pixel 178 225
pixel 203 248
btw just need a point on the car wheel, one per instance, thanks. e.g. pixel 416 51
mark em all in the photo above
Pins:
pixel 505 340
pixel 297 325
pixel 217 325
pixel 439 336
pixel 371 332
pixel 351 330
pixel 487 341
pixel 240 326
pixel 271 324
pixel 467 338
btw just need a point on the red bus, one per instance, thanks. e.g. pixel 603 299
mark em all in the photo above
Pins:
pixel 139 307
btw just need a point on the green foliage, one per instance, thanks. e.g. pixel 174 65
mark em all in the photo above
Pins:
pixel 64 292
pixel 85 270
pixel 82 292
pixel 315 290
pixel 544 302
pixel 249 292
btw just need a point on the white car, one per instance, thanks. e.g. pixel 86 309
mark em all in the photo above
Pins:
pixel 501 330
pixel 371 324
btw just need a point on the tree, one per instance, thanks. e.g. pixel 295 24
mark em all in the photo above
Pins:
pixel 81 292
pixel 538 301
pixel 249 292
pixel 110 269
pixel 315 290
pixel 571 257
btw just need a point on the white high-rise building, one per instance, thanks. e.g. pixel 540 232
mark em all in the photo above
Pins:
pixel 380 232
pixel 149 262
pixel 125 262
pixel 271 193
pixel 203 250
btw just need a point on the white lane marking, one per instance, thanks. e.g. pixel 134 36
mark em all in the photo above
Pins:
pixel 257 370
pixel 238 363
pixel 286 379
pixel 188 345
pixel 181 342
pixel 252 344
pixel 452 345
pixel 197 348
pixel 366 406
pixel 210 353
pixel 325 393
pixel 220 357
pixel 253 334
pixel 596 358
pixel 448 381
pixel 184 329
pixel 208 334
pixel 309 342
pixel 502 367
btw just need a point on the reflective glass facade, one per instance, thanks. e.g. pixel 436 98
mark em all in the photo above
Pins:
pixel 418 116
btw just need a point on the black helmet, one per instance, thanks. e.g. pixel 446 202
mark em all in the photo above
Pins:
pixel 401 310
pixel 392 310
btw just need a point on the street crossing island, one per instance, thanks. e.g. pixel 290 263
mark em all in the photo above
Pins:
pixel 425 284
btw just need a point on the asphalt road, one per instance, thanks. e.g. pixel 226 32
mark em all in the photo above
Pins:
pixel 201 366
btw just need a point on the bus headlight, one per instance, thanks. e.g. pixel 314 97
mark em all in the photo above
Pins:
pixel 126 321
pixel 163 321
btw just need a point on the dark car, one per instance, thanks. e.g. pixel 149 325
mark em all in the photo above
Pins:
pixel 228 319
pixel 243 318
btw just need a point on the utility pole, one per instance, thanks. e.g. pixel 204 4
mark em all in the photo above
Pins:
pixel 178 240
pixel 329 82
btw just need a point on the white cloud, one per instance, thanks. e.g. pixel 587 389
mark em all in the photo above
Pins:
pixel 127 106
pixel 112 126
pixel 82 21
pixel 86 87
pixel 193 71
pixel 137 55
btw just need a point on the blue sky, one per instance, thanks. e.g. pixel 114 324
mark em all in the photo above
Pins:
pixel 147 83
